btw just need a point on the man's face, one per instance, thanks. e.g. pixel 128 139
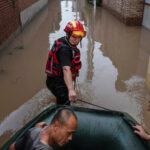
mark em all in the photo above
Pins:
pixel 74 40
pixel 64 132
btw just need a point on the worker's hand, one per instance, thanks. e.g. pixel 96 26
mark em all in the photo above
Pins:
pixel 72 96
pixel 140 131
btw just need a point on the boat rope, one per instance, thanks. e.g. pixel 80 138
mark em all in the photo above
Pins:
pixel 77 87
pixel 94 105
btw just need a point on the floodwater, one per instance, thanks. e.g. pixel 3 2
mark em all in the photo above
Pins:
pixel 115 61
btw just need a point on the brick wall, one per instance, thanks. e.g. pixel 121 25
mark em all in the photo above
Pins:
pixel 9 18
pixel 129 11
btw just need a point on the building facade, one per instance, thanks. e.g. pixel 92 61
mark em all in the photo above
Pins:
pixel 14 15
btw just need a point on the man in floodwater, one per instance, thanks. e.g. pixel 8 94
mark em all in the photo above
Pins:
pixel 63 63
pixel 43 137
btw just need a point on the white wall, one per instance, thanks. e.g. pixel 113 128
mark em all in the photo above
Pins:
pixel 147 1
pixel 146 16
pixel 27 14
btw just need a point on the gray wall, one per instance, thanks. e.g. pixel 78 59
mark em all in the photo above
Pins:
pixel 146 15
pixel 147 1
pixel 27 14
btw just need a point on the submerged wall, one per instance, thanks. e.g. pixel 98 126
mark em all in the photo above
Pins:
pixel 129 11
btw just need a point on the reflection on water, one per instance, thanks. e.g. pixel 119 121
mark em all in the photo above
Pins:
pixel 114 58
pixel 118 60
pixel 68 12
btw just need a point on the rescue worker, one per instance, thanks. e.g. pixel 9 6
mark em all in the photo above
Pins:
pixel 63 63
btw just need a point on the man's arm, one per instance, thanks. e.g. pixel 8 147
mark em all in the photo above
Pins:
pixel 69 83
pixel 21 141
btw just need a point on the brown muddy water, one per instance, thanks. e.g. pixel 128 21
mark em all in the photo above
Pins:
pixel 114 57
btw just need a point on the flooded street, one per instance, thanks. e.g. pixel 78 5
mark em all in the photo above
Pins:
pixel 115 61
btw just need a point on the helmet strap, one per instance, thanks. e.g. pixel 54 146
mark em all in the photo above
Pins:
pixel 69 35
pixel 67 40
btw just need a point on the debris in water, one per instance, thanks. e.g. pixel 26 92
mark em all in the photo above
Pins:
pixel 19 48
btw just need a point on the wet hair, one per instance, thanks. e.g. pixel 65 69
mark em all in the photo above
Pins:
pixel 63 115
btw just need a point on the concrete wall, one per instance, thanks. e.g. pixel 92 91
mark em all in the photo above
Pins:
pixel 129 11
pixel 28 13
pixel 146 16
pixel 147 1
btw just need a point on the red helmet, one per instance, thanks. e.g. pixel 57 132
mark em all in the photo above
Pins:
pixel 76 28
